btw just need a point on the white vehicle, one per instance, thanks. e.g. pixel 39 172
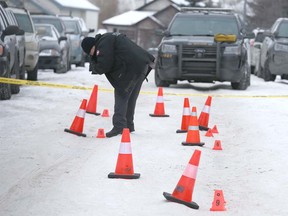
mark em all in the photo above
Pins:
pixel 31 42
pixel 256 44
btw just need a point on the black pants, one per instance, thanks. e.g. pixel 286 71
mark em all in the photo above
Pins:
pixel 125 104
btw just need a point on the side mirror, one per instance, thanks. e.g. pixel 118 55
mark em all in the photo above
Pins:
pixel 20 32
pixel 62 38
pixel 10 30
pixel 91 30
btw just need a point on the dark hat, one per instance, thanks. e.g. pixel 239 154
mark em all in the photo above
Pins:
pixel 87 44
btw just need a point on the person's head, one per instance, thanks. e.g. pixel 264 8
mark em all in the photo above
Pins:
pixel 88 45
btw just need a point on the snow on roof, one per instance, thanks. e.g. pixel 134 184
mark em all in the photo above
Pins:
pixel 80 4
pixel 181 2
pixel 128 18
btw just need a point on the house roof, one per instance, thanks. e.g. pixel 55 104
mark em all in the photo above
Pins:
pixel 78 4
pixel 129 18
pixel 177 2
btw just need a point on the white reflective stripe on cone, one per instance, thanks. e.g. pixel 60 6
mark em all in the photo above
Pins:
pixel 81 113
pixel 186 111
pixel 125 148
pixel 160 99
pixel 193 114
pixel 206 109
pixel 193 128
pixel 191 171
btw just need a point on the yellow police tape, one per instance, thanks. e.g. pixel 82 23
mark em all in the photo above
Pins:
pixel 56 85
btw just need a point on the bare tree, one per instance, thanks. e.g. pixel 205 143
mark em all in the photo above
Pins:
pixel 265 12
pixel 107 9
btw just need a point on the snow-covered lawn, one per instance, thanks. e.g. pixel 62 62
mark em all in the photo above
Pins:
pixel 47 172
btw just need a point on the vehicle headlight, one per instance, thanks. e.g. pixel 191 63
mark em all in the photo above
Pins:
pixel 49 52
pixel 1 50
pixel 281 47
pixel 167 48
pixel 234 50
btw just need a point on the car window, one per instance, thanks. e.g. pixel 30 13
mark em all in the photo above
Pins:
pixel 283 29
pixel 55 22
pixel 260 37
pixel 72 25
pixel 43 31
pixel 209 25
pixel 24 22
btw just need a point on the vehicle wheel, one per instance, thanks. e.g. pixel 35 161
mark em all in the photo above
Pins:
pixel 82 62
pixel 252 69
pixel 158 81
pixel 5 88
pixel 245 79
pixel 33 74
pixel 284 76
pixel 267 74
pixel 22 72
pixel 15 89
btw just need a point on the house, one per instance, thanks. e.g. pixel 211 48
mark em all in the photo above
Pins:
pixel 140 24
pixel 84 9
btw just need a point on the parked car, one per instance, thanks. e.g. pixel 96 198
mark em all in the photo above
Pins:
pixel 31 42
pixel 76 35
pixel 204 45
pixel 20 44
pixel 274 51
pixel 53 54
pixel 10 39
pixel 256 44
pixel 59 25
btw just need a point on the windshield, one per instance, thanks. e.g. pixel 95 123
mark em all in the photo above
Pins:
pixel 72 26
pixel 283 29
pixel 57 23
pixel 24 22
pixel 203 25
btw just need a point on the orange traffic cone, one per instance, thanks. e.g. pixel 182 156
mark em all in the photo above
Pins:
pixel 105 113
pixel 204 115
pixel 124 167
pixel 92 104
pixel 193 135
pixel 100 133
pixel 185 117
pixel 217 145
pixel 78 123
pixel 184 190
pixel 215 130
pixel 159 110
pixel 218 202
pixel 209 133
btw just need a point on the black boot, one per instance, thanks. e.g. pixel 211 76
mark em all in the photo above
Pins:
pixel 114 132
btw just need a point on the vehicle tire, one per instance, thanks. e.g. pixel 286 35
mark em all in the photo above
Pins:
pixel 245 79
pixel 22 72
pixel 284 76
pixel 33 74
pixel 267 74
pixel 82 62
pixel 15 89
pixel 5 88
pixel 158 81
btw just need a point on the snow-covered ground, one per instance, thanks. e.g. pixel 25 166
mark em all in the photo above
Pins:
pixel 45 171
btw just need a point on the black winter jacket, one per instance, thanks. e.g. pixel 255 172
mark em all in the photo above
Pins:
pixel 121 60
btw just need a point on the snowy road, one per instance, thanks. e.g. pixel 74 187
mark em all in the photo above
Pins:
pixel 45 171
